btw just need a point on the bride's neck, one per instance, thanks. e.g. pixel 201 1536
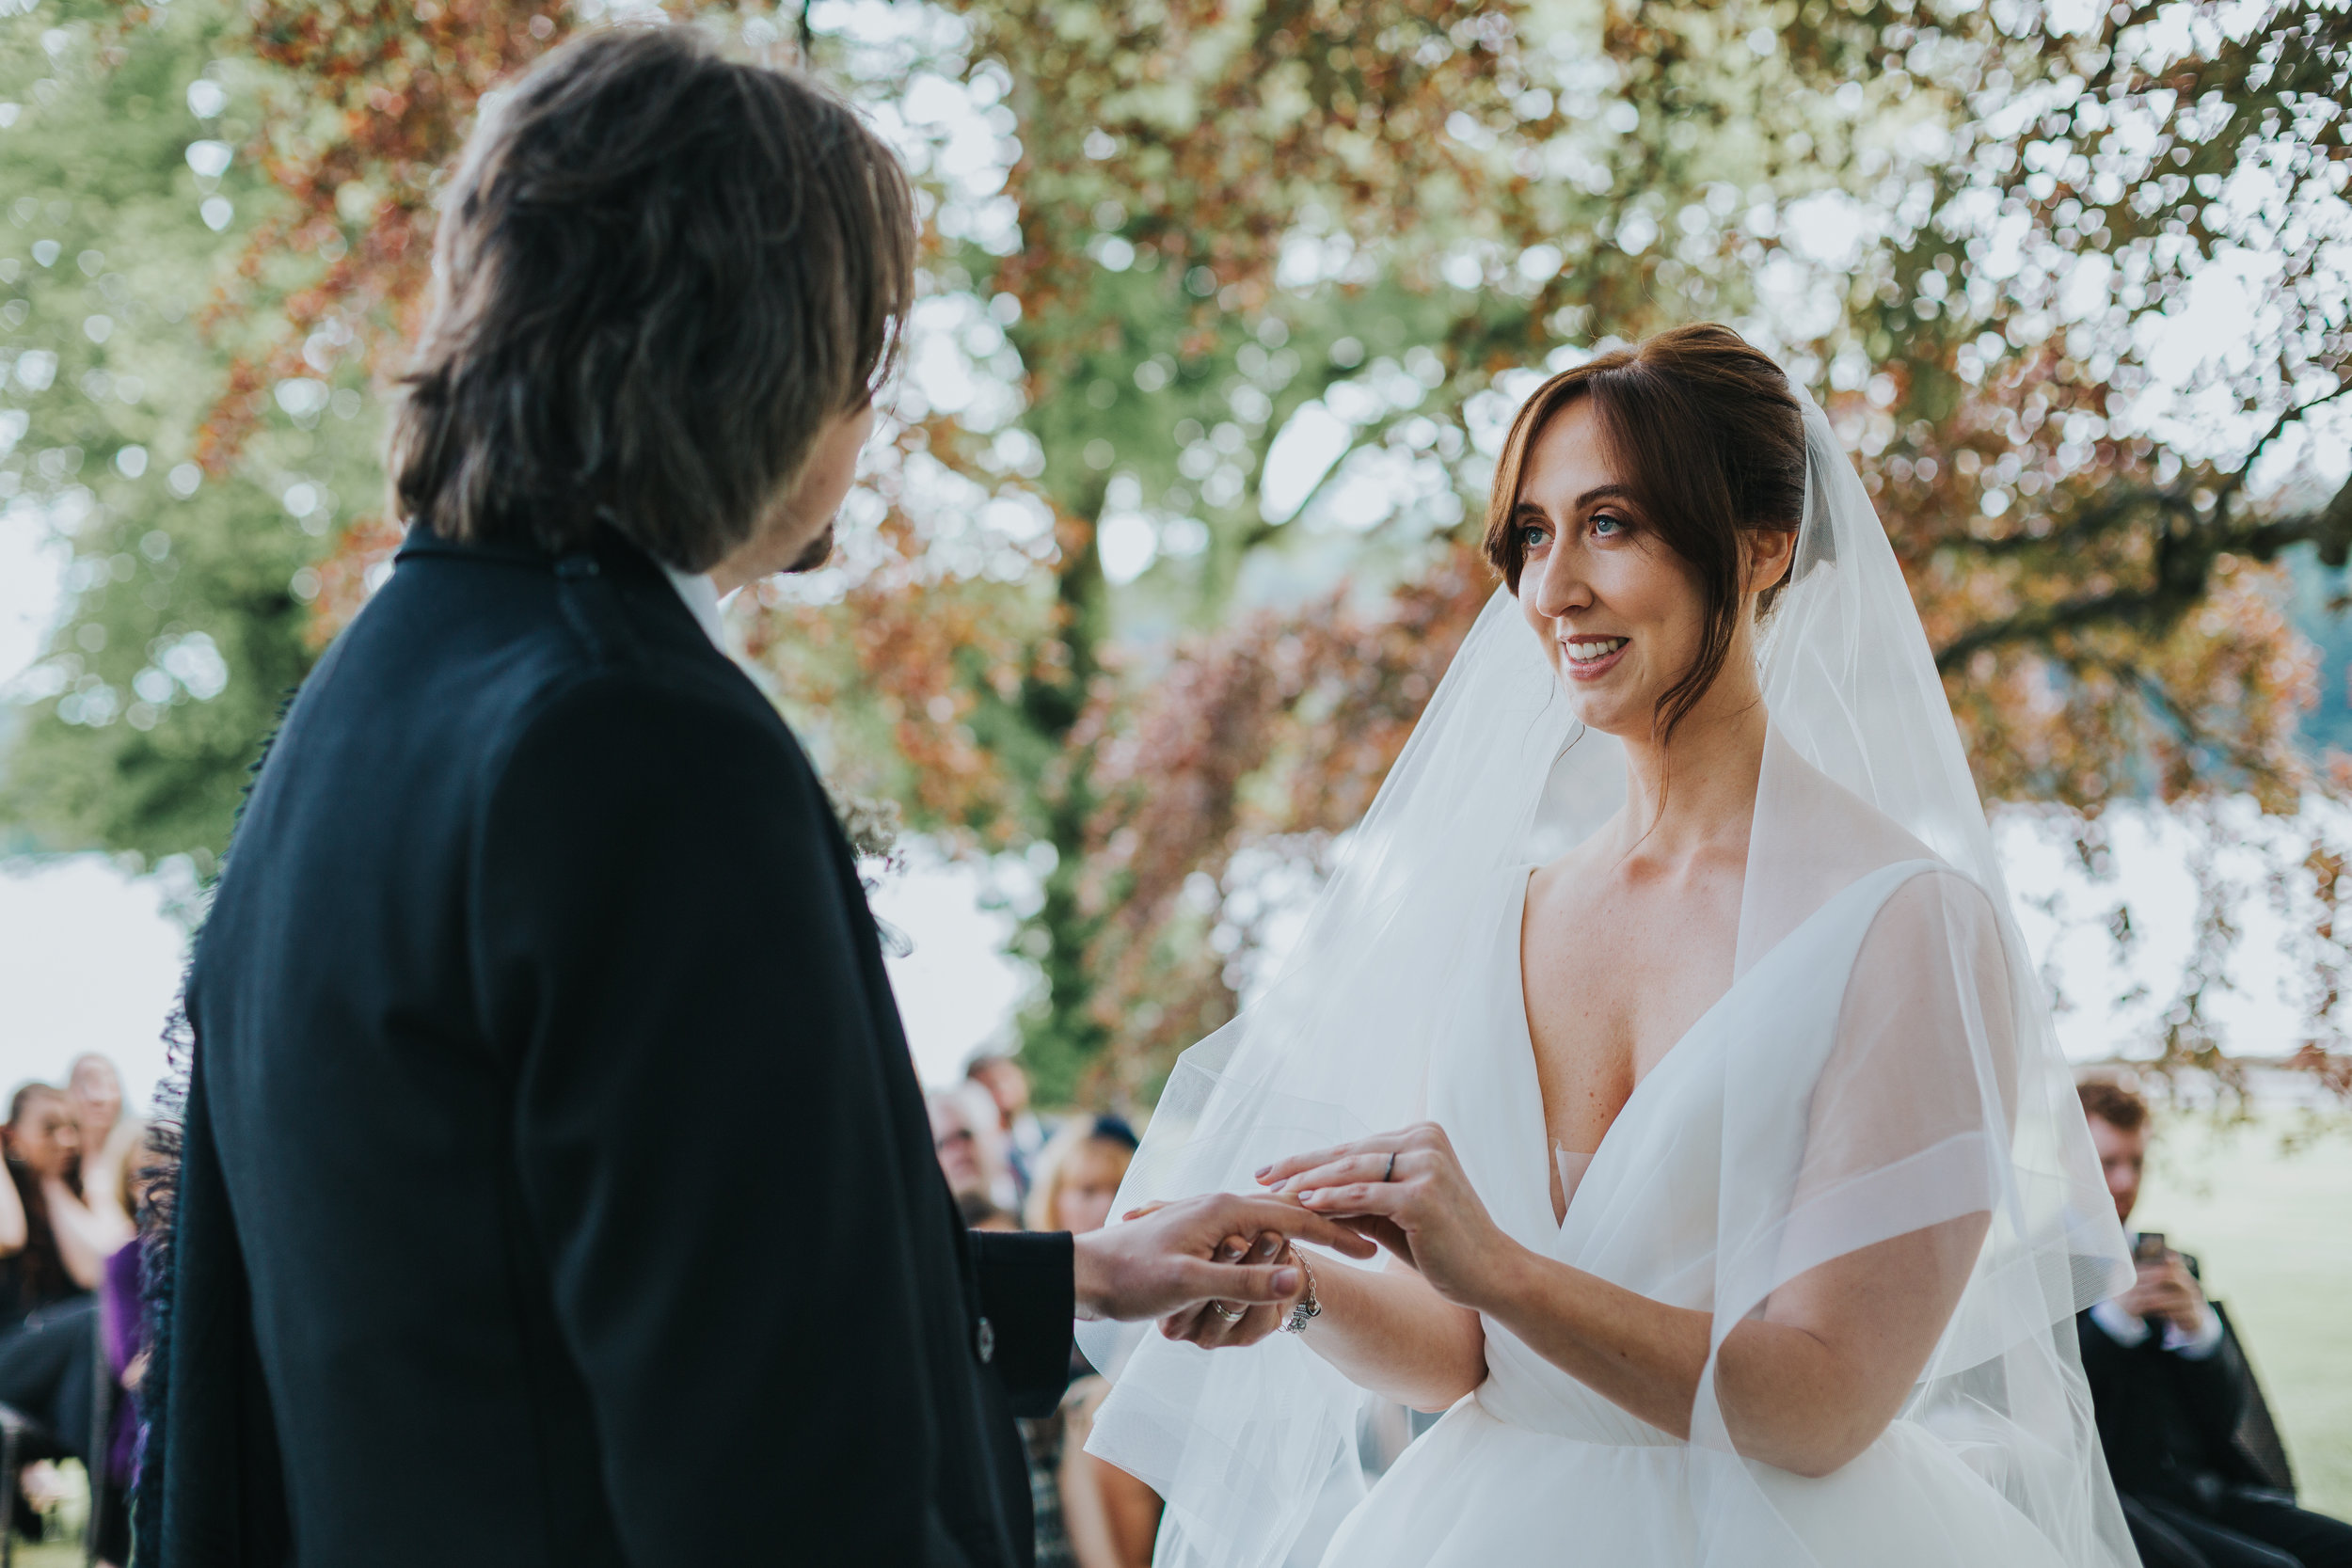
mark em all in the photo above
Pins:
pixel 1694 791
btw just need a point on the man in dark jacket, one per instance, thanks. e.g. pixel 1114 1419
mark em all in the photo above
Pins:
pixel 531 867
pixel 2172 1393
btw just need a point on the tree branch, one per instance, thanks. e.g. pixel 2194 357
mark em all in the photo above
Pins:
pixel 2185 567
pixel 2236 481
pixel 2086 525
pixel 2130 607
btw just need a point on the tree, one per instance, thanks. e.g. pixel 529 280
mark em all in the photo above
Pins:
pixel 1945 137
pixel 128 209
pixel 1224 307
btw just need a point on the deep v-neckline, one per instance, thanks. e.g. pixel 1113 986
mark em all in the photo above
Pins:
pixel 1527 1032
pixel 1656 1069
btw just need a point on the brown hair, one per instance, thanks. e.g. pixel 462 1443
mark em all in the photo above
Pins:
pixel 39 1266
pixel 658 274
pixel 2112 1103
pixel 22 1101
pixel 1712 444
pixel 1107 1135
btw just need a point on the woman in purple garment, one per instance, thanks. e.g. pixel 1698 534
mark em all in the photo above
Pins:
pixel 122 1327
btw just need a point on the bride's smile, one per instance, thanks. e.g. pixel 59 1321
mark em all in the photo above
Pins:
pixel 1591 657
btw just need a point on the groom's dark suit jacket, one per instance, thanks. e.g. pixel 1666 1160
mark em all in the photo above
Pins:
pixel 557 1189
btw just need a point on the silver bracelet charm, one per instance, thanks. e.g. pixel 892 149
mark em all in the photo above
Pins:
pixel 1306 1307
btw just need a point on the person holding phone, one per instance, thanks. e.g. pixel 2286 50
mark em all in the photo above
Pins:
pixel 2172 1390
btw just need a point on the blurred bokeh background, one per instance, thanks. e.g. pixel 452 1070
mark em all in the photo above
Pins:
pixel 1167 532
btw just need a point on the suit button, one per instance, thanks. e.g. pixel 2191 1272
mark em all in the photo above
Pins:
pixel 984 1341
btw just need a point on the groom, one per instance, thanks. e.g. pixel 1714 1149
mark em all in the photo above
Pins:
pixel 556 1188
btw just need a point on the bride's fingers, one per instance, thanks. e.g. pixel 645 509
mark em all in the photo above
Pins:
pixel 1240 1215
pixel 1383 1199
pixel 1388 1233
pixel 1370 1166
pixel 1255 1324
pixel 1213 1329
pixel 1184 1326
pixel 1290 1166
pixel 1422 1137
pixel 1210 1329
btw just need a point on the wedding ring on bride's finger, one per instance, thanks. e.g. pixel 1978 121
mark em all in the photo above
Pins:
pixel 1231 1314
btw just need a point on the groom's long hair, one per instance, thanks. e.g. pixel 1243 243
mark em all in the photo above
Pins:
pixel 658 273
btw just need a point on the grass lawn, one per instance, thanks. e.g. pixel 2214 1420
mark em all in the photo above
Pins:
pixel 2273 1233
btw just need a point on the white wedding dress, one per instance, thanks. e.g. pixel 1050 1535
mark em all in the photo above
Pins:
pixel 1880 1066
pixel 1536 1467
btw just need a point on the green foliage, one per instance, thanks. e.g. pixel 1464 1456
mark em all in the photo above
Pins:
pixel 123 308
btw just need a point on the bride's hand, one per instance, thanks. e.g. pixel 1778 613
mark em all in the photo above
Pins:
pixel 1213 1325
pixel 1407 1190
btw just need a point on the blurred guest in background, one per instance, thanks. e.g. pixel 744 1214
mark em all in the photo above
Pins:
pixel 53 1253
pixel 122 1337
pixel 970 1141
pixel 93 1096
pixel 41 1146
pixel 1024 1136
pixel 993 1144
pixel 2173 1395
pixel 94 1093
pixel 1079 1175
pixel 981 1214
pixel 957 1142
pixel 1105 1518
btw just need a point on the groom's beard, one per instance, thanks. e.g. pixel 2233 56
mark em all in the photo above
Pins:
pixel 820 551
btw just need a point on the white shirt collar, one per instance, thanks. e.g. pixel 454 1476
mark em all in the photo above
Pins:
pixel 701 600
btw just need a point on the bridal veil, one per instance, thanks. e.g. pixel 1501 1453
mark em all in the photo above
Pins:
pixel 1942 1097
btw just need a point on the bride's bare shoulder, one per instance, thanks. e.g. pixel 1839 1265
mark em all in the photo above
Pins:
pixel 1802 801
pixel 1852 831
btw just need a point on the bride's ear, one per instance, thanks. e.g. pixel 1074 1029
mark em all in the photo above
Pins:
pixel 1768 551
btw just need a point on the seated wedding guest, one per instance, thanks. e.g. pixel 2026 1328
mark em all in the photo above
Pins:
pixel 1024 1136
pixel 53 1253
pixel 994 1144
pixel 2171 1388
pixel 122 1334
pixel 1107 1517
pixel 93 1094
pixel 114 1468
pixel 959 1146
pixel 1079 1175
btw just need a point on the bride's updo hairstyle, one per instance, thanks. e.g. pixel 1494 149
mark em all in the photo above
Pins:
pixel 1710 442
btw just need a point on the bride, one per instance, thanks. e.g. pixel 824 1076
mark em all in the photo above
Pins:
pixel 1667 1025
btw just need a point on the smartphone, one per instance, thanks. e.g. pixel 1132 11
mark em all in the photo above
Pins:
pixel 2149 1248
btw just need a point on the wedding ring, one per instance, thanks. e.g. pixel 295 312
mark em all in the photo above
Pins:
pixel 1389 1175
pixel 1231 1314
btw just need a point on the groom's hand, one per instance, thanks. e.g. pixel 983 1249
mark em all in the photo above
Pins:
pixel 1164 1262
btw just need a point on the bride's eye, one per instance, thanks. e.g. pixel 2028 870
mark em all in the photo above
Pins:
pixel 1534 536
pixel 1608 525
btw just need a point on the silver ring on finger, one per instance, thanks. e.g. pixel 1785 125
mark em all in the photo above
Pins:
pixel 1389 1175
pixel 1231 1314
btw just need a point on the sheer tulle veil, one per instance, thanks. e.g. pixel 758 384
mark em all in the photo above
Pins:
pixel 1945 1094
